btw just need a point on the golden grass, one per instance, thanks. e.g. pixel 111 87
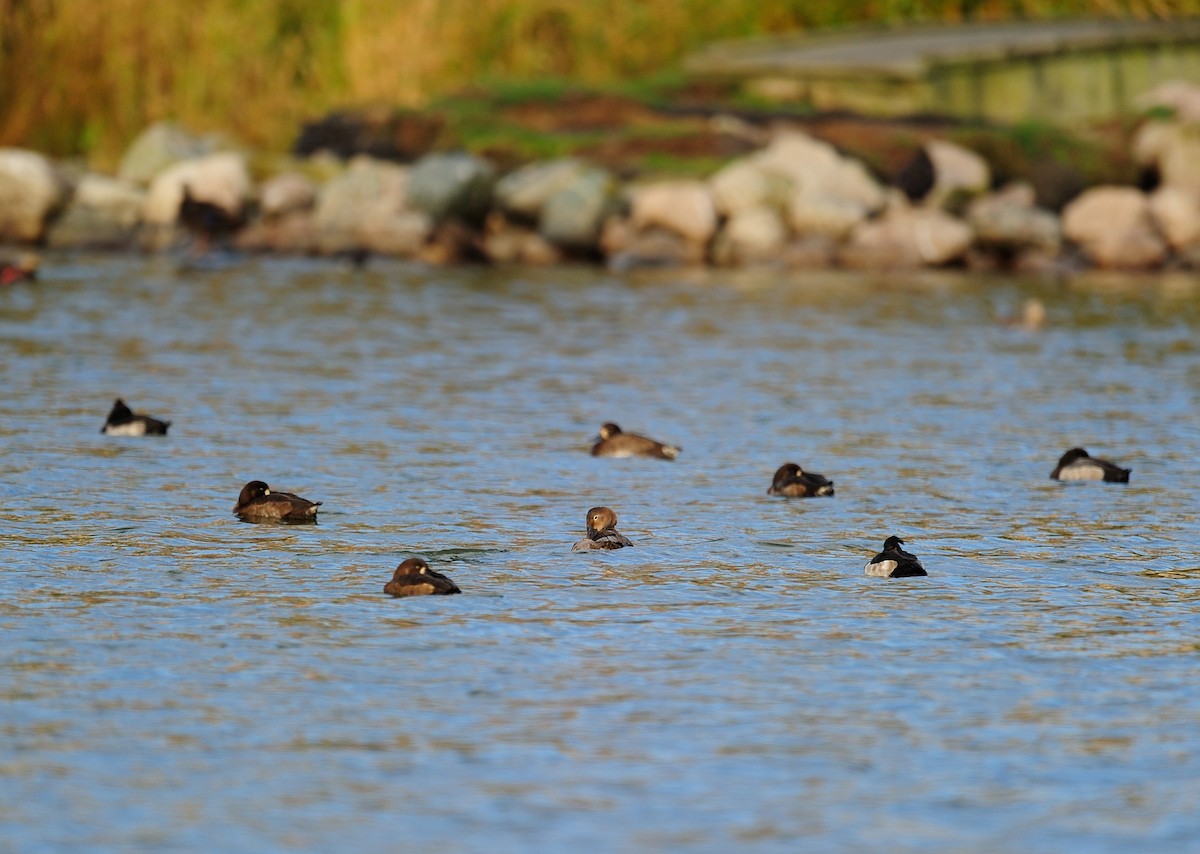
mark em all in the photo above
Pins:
pixel 84 76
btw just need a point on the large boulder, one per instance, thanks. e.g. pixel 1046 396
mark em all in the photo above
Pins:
pixel 1009 221
pixel 751 236
pixel 821 214
pixel 160 146
pixel 571 217
pixel 370 194
pixel 682 207
pixel 453 185
pixel 103 213
pixel 524 192
pixel 906 237
pixel 31 192
pixel 1114 225
pixel 219 179
pixel 816 168
pixel 1177 214
pixel 746 184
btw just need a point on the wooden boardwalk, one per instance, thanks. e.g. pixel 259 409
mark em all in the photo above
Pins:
pixel 1052 71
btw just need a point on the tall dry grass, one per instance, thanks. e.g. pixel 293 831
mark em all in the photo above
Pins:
pixel 84 76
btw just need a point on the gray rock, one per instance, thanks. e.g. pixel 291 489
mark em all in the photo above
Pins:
pixel 451 185
pixel 31 192
pixel 160 146
pixel 1009 220
pixel 368 190
pixel 293 233
pixel 571 218
pixel 524 192
pixel 104 213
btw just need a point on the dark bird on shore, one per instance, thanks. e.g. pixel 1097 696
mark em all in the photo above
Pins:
pixel 894 562
pixel 23 268
pixel 258 503
pixel 413 577
pixel 791 481
pixel 123 421
pixel 207 221
pixel 1077 464
pixel 612 442
pixel 602 532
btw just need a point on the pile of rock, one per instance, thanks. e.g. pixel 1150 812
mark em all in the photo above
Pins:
pixel 796 201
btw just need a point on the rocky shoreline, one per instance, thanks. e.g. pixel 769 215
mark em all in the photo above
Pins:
pixel 794 201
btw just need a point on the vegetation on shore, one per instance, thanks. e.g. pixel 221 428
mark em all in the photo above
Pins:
pixel 79 77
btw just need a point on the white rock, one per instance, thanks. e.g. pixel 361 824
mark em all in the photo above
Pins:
pixel 31 191
pixel 1177 214
pixel 744 184
pixel 816 213
pixel 907 237
pixel 751 235
pixel 1115 227
pixel 682 207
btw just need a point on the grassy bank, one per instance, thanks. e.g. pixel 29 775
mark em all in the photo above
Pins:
pixel 84 76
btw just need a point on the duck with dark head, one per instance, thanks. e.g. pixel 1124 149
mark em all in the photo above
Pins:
pixel 791 481
pixel 123 421
pixel 1077 464
pixel 259 503
pixel 413 577
pixel 894 562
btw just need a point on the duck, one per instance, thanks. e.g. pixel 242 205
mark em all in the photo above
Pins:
pixel 123 421
pixel 894 562
pixel 258 502
pixel 23 268
pixel 602 532
pixel 413 577
pixel 1077 464
pixel 613 442
pixel 791 481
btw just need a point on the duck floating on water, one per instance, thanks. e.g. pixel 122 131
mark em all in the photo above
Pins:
pixel 413 577
pixel 791 481
pixel 123 421
pixel 602 532
pixel 613 442
pixel 258 503
pixel 1078 464
pixel 894 562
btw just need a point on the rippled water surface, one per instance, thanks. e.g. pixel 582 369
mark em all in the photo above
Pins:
pixel 173 679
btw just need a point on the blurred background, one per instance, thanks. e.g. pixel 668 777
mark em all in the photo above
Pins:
pixel 79 77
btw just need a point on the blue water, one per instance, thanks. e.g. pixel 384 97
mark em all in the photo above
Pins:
pixel 174 679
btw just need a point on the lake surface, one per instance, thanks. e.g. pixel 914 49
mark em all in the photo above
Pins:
pixel 174 679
